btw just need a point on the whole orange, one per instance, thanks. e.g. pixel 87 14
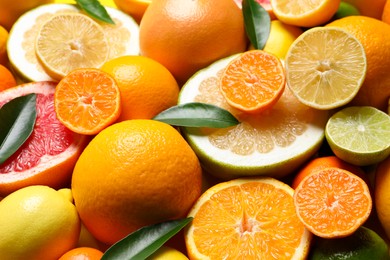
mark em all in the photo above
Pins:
pixel 188 35
pixel 82 253
pixel 7 79
pixel 146 86
pixel 386 13
pixel 132 174
pixel 375 38
pixel 382 194
pixel 372 8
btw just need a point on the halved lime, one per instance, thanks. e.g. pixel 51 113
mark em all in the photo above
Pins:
pixel 359 135
pixel 325 67
pixel 273 143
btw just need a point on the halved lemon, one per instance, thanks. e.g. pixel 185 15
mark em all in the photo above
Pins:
pixel 273 143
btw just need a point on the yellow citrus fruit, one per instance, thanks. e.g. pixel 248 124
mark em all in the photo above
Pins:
pixel 280 38
pixel 382 194
pixel 188 36
pixel 146 86
pixel 247 218
pixel 373 8
pixel 135 8
pixel 3 46
pixel 10 10
pixel 132 174
pixel 38 222
pixel 167 253
pixel 305 13
pixel 374 35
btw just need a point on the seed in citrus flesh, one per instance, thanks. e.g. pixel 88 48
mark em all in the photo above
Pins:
pixel 325 67
pixel 332 202
pixel 253 81
pixel 359 135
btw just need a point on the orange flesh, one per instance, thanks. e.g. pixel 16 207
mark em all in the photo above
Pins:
pixel 333 202
pixel 253 82
pixel 240 226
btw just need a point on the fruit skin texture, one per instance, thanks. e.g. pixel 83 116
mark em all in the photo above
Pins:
pixel 375 38
pixel 10 10
pixel 127 163
pixel 189 36
pixel 382 194
pixel 134 8
pixel 37 222
pixel 386 13
pixel 146 86
pixel 167 253
pixel 372 8
pixel 82 253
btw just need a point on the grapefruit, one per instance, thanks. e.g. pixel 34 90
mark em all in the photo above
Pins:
pixel 49 154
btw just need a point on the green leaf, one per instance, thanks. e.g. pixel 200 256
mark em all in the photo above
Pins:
pixel 95 9
pixel 17 119
pixel 145 241
pixel 257 23
pixel 197 115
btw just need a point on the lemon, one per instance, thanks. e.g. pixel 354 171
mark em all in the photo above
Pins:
pixel 122 38
pixel 167 253
pixel 325 67
pixel 362 244
pixel 280 38
pixel 273 143
pixel 37 222
pixel 359 135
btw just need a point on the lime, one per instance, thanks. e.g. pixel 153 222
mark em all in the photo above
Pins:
pixel 364 243
pixel 345 9
pixel 359 135
pixel 325 67
pixel 274 142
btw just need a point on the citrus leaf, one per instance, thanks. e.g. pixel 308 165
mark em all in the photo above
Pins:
pixel 95 10
pixel 17 119
pixel 257 23
pixel 197 114
pixel 145 241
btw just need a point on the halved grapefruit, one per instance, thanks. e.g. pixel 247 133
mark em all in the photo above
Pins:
pixel 49 154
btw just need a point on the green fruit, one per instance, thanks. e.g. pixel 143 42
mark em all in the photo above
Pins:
pixel 345 9
pixel 363 244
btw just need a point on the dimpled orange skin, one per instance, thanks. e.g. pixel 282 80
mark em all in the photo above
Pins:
pixel 188 36
pixel 132 174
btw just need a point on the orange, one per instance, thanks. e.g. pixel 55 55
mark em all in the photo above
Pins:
pixel 134 8
pixel 332 202
pixel 189 36
pixel 132 174
pixel 3 46
pixel 304 13
pixel 82 253
pixel 253 82
pixel 320 163
pixel 87 100
pixel 146 86
pixel 7 79
pixel 382 194
pixel 374 35
pixel 372 8
pixel 246 218
pixel 386 13
pixel 48 156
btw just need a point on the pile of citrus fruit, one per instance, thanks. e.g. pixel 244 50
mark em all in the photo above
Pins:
pixel 167 129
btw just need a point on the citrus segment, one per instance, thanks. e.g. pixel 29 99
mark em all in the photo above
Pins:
pixel 252 218
pixel 305 13
pixel 87 100
pixel 325 67
pixel 69 41
pixel 275 142
pixel 49 154
pixel 359 135
pixel 253 81
pixel 332 202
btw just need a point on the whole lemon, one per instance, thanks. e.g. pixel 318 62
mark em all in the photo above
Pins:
pixel 10 10
pixel 188 35
pixel 167 253
pixel 132 174
pixel 38 222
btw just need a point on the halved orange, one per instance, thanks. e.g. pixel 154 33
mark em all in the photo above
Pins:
pixel 253 81
pixel 87 101
pixel 246 218
pixel 332 202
